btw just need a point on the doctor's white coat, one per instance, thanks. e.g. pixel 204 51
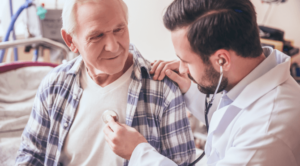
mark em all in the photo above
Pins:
pixel 260 127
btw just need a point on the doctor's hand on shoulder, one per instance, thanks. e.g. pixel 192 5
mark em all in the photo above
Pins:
pixel 121 138
pixel 171 69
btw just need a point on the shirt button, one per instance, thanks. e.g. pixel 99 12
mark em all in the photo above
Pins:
pixel 75 97
pixel 66 125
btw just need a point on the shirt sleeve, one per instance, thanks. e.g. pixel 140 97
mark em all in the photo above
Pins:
pixel 146 155
pixel 177 141
pixel 34 138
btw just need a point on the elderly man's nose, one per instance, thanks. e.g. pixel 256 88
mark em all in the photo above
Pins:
pixel 111 44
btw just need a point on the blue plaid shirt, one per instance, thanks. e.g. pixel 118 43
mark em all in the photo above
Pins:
pixel 155 108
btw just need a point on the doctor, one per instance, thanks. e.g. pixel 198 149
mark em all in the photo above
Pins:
pixel 256 119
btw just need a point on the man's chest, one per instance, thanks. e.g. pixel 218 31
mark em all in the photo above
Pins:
pixel 85 141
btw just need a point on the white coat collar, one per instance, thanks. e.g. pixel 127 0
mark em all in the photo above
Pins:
pixel 261 69
pixel 275 67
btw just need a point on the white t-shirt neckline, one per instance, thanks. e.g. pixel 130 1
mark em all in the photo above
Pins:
pixel 92 84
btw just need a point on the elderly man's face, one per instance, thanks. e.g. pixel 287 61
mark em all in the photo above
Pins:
pixel 102 36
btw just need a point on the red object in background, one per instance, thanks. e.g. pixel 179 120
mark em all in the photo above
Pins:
pixel 17 65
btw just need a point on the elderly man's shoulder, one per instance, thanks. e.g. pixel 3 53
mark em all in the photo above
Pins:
pixel 60 73
pixel 166 85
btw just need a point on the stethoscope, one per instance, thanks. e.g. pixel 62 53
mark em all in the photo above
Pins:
pixel 208 104
pixel 109 114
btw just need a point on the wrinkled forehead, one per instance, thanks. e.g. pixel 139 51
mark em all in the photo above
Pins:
pixel 103 15
pixel 118 4
pixel 101 8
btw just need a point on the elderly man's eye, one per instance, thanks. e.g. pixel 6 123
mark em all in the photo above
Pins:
pixel 118 30
pixel 98 36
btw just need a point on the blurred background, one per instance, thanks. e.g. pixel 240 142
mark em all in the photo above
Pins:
pixel 147 31
pixel 35 37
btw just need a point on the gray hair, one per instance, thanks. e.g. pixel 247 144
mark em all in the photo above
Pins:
pixel 68 14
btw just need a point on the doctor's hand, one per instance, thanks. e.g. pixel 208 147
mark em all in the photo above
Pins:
pixel 160 69
pixel 122 139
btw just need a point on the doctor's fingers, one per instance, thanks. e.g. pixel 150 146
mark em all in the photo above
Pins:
pixel 110 143
pixel 159 68
pixel 114 126
pixel 173 65
pixel 154 65
pixel 182 80
pixel 153 62
pixel 112 137
pixel 108 131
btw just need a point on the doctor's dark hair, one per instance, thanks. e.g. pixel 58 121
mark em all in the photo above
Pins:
pixel 216 24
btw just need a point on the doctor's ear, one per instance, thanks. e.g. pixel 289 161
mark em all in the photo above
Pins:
pixel 69 41
pixel 221 58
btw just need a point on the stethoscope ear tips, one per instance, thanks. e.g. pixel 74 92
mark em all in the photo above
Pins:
pixel 221 62
pixel 109 114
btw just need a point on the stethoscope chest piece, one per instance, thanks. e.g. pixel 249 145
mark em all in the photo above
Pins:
pixel 110 113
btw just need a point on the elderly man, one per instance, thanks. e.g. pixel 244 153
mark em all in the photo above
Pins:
pixel 65 127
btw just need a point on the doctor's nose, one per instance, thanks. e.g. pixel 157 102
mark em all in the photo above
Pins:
pixel 111 44
pixel 183 69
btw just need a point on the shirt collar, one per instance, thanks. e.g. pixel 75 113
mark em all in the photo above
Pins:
pixel 269 63
pixel 76 64
pixel 141 66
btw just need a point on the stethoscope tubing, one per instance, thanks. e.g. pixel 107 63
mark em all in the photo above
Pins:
pixel 208 104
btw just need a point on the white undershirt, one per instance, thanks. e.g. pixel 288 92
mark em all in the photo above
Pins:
pixel 85 143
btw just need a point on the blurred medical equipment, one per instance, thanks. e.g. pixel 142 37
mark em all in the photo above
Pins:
pixel 208 104
pixel 13 31
pixel 27 4
pixel 275 38
pixel 295 72
pixel 43 41
pixel 40 23
pixel 109 114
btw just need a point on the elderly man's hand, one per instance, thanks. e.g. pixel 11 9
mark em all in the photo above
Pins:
pixel 122 139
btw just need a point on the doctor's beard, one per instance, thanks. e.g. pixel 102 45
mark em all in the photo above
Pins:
pixel 213 77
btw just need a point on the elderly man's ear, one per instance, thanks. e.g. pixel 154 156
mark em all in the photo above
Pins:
pixel 69 41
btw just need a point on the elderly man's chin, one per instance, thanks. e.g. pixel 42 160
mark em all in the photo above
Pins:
pixel 111 66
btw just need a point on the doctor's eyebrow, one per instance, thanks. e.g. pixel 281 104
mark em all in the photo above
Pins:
pixel 181 59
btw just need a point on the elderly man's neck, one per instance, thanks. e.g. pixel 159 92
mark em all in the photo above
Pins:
pixel 106 79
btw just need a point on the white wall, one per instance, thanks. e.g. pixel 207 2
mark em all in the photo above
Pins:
pixel 147 31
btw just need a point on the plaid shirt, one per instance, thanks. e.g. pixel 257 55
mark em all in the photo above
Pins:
pixel 155 108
